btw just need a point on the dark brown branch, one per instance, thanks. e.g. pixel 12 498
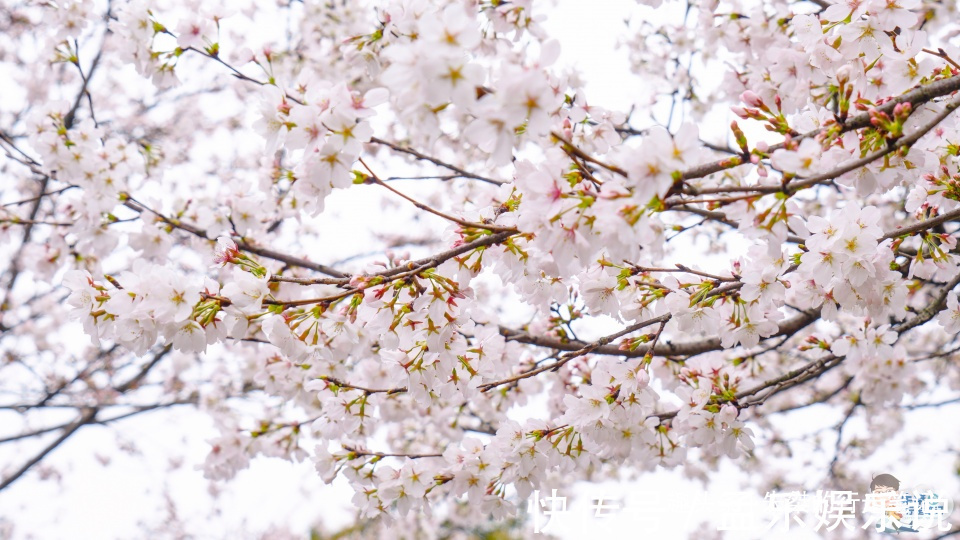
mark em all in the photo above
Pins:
pixel 820 366
pixel 915 97
pixel 136 409
pixel 87 417
pixel 571 148
pixel 27 231
pixel 788 327
pixel 838 446
pixel 902 142
pixel 139 207
pixel 368 391
pixel 934 404
pixel 72 114
pixel 586 349
pixel 940 53
pixel 34 199
pixel 923 225
pixel 410 269
pixel 820 399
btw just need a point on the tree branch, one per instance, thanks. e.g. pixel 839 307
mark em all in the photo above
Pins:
pixel 435 161
pixel 88 416
pixel 915 97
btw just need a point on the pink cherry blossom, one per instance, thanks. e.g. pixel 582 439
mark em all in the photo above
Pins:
pixel 421 247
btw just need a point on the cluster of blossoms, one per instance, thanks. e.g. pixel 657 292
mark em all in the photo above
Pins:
pixel 325 128
pixel 595 296
pixel 878 365
pixel 150 300
pixel 145 302
pixel 847 267
pixel 103 167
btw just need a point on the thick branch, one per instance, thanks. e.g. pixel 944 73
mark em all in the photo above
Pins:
pixel 923 225
pixel 812 370
pixel 787 328
pixel 27 231
pixel 915 97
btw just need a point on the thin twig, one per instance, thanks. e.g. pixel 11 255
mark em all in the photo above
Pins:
pixel 570 147
pixel 942 54
pixel 435 161
pixel 464 223
pixel 363 453
pixel 88 416
pixel 587 349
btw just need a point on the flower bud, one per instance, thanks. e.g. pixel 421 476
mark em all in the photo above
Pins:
pixel 844 74
pixel 751 98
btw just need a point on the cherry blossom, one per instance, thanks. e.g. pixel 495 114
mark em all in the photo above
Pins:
pixel 403 241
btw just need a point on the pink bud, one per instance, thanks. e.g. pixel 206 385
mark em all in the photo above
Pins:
pixel 901 110
pixel 740 111
pixel 283 107
pixel 751 98
pixel 762 146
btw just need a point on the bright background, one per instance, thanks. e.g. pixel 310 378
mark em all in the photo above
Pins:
pixel 87 489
